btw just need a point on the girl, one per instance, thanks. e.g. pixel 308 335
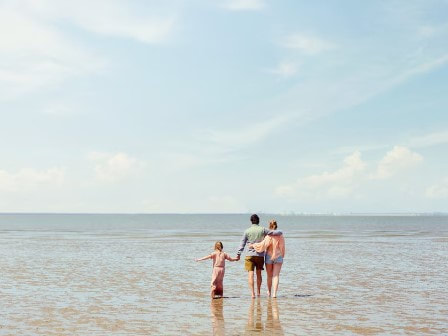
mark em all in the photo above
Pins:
pixel 275 251
pixel 219 261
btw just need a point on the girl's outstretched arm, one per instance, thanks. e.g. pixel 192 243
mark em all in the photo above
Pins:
pixel 204 258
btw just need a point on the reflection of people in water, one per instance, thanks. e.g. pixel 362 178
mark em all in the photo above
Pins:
pixel 273 319
pixel 254 321
pixel 217 317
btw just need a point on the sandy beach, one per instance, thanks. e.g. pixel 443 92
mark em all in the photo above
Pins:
pixel 128 275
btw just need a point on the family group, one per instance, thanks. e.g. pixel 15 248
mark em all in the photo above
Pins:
pixel 266 248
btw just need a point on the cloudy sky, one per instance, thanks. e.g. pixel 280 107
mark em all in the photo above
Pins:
pixel 223 106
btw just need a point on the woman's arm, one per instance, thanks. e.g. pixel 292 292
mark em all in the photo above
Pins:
pixel 205 258
pixel 261 246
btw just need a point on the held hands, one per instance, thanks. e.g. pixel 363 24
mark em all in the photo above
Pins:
pixel 251 246
pixel 237 257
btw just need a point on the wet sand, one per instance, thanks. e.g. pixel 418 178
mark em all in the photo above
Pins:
pixel 145 282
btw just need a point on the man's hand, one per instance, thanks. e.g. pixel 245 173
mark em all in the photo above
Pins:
pixel 237 257
pixel 251 246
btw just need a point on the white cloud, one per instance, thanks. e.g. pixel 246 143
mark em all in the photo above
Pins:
pixel 60 110
pixel 398 159
pixel 215 146
pixel 438 191
pixel 245 136
pixel 34 55
pixel 419 69
pixel 426 31
pixel 428 140
pixel 339 183
pixel 284 69
pixel 194 158
pixel 111 18
pixel 306 43
pixel 241 5
pixel 36 52
pixel 353 175
pixel 114 167
pixel 30 179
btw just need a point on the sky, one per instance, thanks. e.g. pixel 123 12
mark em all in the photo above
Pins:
pixel 223 106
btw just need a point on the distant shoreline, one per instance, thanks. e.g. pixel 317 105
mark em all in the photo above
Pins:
pixel 352 214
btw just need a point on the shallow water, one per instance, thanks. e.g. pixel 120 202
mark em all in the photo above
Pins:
pixel 135 275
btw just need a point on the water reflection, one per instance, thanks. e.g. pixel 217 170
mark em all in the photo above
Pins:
pixel 273 318
pixel 254 320
pixel 216 308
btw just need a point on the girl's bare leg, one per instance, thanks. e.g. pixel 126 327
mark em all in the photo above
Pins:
pixel 219 291
pixel 269 268
pixel 275 278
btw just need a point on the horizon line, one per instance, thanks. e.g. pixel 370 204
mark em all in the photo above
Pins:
pixel 439 213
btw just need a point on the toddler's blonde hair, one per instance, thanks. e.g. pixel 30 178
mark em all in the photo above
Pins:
pixel 218 246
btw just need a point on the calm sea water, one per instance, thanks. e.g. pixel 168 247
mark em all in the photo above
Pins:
pixel 136 275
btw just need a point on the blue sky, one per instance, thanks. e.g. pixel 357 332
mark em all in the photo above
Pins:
pixel 223 106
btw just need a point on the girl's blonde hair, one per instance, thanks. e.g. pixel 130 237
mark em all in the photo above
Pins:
pixel 218 246
pixel 273 225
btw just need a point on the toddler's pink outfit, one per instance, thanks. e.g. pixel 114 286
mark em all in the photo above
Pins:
pixel 219 262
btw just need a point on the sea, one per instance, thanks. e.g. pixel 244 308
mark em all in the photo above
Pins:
pixel 100 274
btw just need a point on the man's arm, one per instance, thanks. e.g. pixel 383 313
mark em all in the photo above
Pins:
pixel 242 245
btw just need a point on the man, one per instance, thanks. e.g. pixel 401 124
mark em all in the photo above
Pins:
pixel 254 260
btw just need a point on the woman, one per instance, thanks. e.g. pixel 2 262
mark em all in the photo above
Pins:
pixel 275 252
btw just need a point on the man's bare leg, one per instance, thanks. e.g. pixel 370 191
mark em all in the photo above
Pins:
pixel 259 280
pixel 251 282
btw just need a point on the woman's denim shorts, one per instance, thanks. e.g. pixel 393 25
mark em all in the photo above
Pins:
pixel 269 261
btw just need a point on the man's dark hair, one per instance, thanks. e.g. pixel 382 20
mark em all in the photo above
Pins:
pixel 255 219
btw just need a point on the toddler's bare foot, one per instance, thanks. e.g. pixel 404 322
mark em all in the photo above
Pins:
pixel 268 293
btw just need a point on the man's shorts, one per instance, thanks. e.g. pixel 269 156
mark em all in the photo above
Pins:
pixel 252 262
pixel 270 261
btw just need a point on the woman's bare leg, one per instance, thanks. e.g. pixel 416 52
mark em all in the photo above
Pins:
pixel 269 268
pixel 275 278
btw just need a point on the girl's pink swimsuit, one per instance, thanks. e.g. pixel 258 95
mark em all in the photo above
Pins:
pixel 219 262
